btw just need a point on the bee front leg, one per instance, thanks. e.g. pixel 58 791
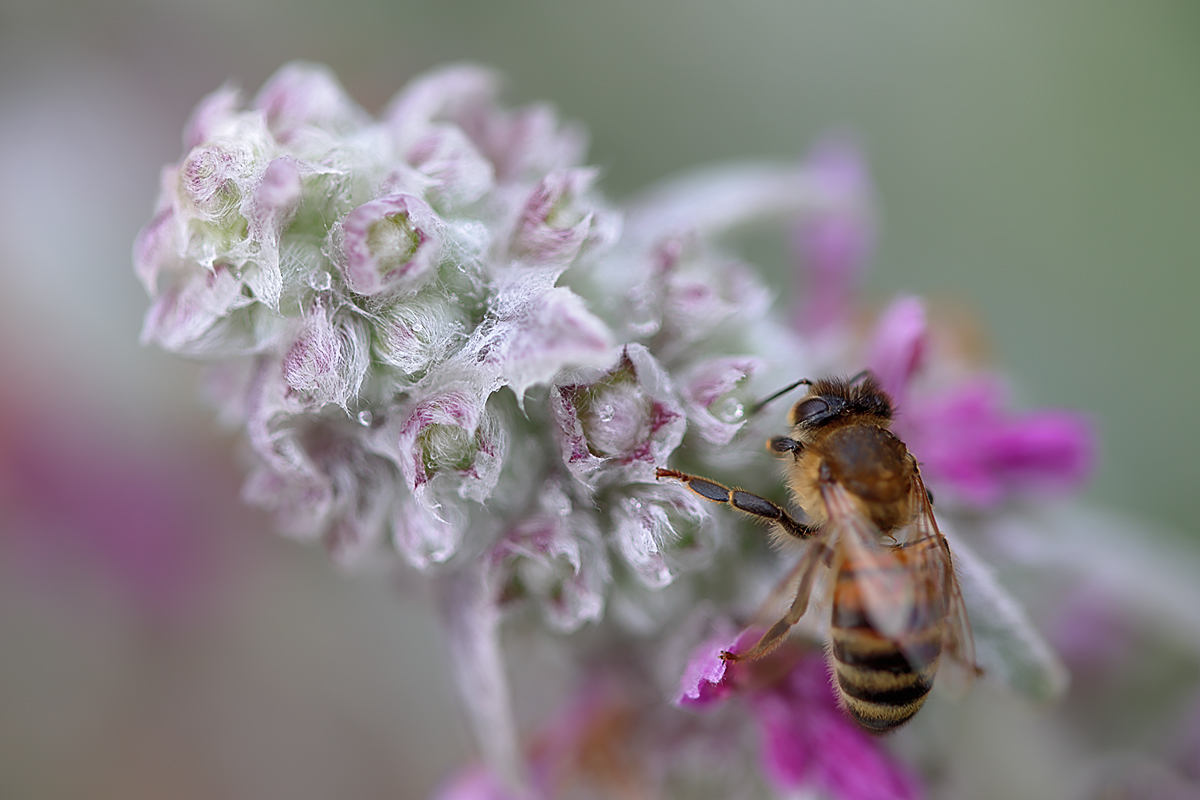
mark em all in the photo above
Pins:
pixel 743 501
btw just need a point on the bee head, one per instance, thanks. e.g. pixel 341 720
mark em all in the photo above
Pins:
pixel 830 399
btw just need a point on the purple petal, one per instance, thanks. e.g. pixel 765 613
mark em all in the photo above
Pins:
pixel 156 248
pixel 898 345
pixel 1045 450
pixel 476 782
pixel 555 332
pixel 554 223
pixel 454 93
pixel 708 679
pixel 300 95
pixel 459 173
pixel 390 243
pixel 187 317
pixel 210 115
pixel 329 358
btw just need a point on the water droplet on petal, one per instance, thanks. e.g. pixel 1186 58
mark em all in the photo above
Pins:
pixel 642 315
pixel 365 418
pixel 320 281
pixel 728 409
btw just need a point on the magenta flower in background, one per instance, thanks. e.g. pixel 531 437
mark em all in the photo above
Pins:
pixel 453 361
pixel 808 741
pixel 965 439
pixel 834 245
pixel 75 493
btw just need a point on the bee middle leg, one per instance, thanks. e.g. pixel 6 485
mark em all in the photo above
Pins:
pixel 745 502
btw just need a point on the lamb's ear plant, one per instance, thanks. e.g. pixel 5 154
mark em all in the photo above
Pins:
pixel 454 361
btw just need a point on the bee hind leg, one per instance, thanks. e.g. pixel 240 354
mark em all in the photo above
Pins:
pixel 807 570
pixel 745 502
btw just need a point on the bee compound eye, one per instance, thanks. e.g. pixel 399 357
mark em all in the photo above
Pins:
pixel 810 409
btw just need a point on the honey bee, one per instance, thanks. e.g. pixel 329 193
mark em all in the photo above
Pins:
pixel 895 603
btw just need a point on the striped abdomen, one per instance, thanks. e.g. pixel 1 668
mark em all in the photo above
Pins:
pixel 883 681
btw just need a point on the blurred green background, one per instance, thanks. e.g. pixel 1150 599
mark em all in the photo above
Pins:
pixel 1037 160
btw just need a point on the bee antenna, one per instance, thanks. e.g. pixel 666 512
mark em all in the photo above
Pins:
pixel 866 373
pixel 761 403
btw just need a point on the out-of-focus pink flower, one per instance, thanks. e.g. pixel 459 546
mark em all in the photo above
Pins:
pixel 1091 632
pixel 304 96
pixel 962 435
pixel 897 346
pixel 75 492
pixel 476 782
pixel 968 443
pixel 808 741
pixel 834 244
pixel 591 747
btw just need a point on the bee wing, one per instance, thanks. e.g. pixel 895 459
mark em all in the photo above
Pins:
pixel 931 558
pixel 887 589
